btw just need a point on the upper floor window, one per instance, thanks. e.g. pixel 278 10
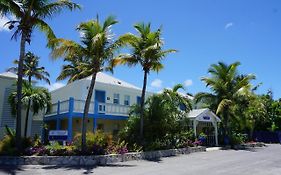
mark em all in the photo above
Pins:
pixel 116 98
pixel 127 100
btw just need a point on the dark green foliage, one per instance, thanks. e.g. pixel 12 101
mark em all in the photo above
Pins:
pixel 237 138
pixel 40 98
pixel 8 143
pixel 227 88
pixel 165 126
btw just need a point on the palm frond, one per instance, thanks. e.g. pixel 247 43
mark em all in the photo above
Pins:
pixel 49 10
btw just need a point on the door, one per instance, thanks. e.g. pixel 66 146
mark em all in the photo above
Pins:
pixel 100 99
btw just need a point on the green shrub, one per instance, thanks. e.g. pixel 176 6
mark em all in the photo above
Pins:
pixel 8 143
pixel 8 146
pixel 96 143
pixel 237 138
pixel 97 138
pixel 119 147
pixel 135 148
pixel 57 149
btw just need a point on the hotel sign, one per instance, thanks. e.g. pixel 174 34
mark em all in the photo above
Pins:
pixel 58 135
pixel 206 118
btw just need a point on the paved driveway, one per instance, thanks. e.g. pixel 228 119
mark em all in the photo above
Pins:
pixel 262 161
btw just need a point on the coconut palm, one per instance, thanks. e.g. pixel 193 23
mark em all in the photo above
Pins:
pixel 177 99
pixel 35 98
pixel 93 55
pixel 31 69
pixel 72 70
pixel 147 51
pixel 227 86
pixel 30 14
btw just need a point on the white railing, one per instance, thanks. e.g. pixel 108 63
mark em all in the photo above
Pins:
pixel 64 106
pixel 116 109
pixel 78 106
pixel 54 108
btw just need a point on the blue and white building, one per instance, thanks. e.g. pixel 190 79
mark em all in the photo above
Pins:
pixel 109 108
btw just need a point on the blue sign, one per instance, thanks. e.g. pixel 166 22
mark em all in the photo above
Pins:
pixel 206 118
pixel 58 135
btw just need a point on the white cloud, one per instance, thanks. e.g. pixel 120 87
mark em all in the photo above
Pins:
pixel 187 83
pixel 157 83
pixel 54 86
pixel 3 21
pixel 228 25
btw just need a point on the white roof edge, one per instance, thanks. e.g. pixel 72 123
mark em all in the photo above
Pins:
pixel 126 84
pixel 197 112
pixel 9 75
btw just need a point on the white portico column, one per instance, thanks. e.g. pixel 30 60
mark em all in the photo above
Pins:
pixel 216 132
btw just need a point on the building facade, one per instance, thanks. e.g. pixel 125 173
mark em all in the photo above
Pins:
pixel 109 108
pixel 7 85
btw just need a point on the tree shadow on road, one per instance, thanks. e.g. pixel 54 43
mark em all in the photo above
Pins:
pixel 87 169
pixel 158 159
pixel 10 169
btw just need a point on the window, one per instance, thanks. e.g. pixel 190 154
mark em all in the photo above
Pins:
pixel 116 98
pixel 127 100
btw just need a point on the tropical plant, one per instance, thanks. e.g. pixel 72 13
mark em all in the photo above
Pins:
pixel 30 14
pixel 147 51
pixel 178 100
pixel 271 119
pixel 93 55
pixel 227 86
pixel 36 98
pixel 31 69
pixel 165 123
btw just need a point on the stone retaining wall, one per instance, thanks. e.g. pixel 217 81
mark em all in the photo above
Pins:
pixel 95 160
pixel 249 145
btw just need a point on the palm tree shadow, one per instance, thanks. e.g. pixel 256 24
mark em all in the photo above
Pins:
pixel 10 169
pixel 87 169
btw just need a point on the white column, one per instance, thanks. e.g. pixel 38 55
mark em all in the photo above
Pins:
pixel 216 132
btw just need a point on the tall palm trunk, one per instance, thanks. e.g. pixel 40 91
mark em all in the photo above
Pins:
pixel 27 111
pixel 142 103
pixel 86 111
pixel 19 90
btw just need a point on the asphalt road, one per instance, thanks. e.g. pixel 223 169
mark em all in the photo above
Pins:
pixel 261 161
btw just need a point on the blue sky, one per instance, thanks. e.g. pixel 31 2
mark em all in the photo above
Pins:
pixel 204 32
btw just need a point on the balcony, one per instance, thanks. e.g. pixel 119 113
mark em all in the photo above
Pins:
pixel 77 106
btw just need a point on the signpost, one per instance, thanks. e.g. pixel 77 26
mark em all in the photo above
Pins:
pixel 58 135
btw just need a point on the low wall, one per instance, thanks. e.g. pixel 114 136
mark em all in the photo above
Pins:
pixel 95 160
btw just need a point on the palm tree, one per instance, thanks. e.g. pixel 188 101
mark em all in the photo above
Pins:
pixel 72 70
pixel 36 98
pixel 30 14
pixel 93 55
pixel 147 51
pixel 31 69
pixel 177 99
pixel 227 86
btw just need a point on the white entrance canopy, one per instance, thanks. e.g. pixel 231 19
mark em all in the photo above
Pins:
pixel 204 116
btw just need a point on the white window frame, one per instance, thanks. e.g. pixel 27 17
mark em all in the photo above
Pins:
pixel 127 100
pixel 116 96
